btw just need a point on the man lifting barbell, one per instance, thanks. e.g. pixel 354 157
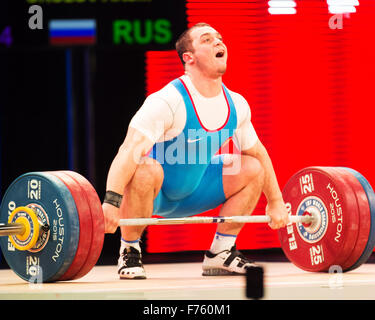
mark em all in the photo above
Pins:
pixel 193 116
pixel 52 223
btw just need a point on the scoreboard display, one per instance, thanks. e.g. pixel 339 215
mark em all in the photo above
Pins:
pixel 139 24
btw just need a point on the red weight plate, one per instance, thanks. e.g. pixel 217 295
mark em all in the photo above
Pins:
pixel 364 217
pixel 331 239
pixel 97 223
pixel 85 225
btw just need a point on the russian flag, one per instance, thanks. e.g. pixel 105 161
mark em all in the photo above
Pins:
pixel 72 32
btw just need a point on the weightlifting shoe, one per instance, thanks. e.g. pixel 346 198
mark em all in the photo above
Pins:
pixel 130 264
pixel 227 262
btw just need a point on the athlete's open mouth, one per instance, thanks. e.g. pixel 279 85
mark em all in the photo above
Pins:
pixel 220 54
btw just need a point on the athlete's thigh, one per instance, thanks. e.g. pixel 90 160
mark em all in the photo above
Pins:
pixel 238 170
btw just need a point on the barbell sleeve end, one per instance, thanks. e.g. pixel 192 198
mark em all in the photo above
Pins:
pixel 10 229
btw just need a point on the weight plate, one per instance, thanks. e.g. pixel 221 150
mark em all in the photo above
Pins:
pixel 330 240
pixel 85 224
pixel 97 220
pixel 364 216
pixel 371 200
pixel 54 205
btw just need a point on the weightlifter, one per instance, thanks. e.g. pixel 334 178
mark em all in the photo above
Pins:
pixel 168 163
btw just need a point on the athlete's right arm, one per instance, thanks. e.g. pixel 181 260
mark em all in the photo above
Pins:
pixel 122 169
pixel 148 125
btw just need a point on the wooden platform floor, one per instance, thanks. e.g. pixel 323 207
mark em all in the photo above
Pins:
pixel 183 281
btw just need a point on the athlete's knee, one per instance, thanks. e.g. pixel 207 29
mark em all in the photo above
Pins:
pixel 252 168
pixel 147 176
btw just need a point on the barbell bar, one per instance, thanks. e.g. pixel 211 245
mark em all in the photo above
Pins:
pixel 11 229
pixel 202 220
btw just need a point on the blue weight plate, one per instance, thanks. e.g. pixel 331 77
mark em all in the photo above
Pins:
pixel 371 199
pixel 54 204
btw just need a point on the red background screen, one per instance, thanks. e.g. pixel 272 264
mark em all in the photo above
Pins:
pixel 310 88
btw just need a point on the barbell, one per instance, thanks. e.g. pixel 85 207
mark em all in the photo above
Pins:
pixel 53 226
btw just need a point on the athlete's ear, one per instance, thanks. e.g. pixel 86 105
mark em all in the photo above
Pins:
pixel 188 57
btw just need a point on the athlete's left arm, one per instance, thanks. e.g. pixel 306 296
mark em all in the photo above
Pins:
pixel 275 204
pixel 247 140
